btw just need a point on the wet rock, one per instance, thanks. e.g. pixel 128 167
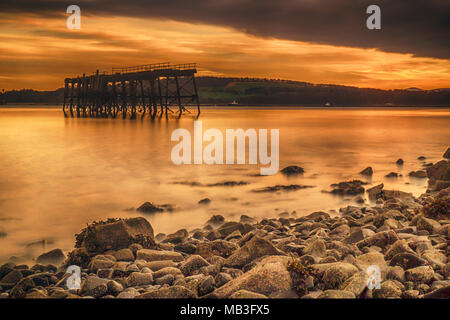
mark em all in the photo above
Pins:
pixel 114 288
pixel 353 187
pixel 292 170
pixel 186 247
pixel 255 248
pixel 336 294
pixel 165 271
pixel 364 261
pixel 447 154
pixel 216 248
pixel 420 174
pixel 375 192
pixel 356 284
pixel 55 257
pixel 316 248
pixel 381 239
pixel 205 201
pixel 206 285
pixel 407 260
pixel 440 171
pixel 359 235
pixel 11 279
pixel 399 162
pixel 442 293
pixel 367 171
pixel 420 274
pixel 139 279
pixel 245 294
pixel 396 273
pixel 6 268
pixel 400 246
pixel 124 255
pixel 430 225
pixel 115 234
pixel 337 273
pixel 149 207
pixel 421 158
pixel 160 264
pixel 176 237
pixel 267 277
pixel 128 294
pixel 192 264
pixel 435 258
pixel 246 219
pixel 174 292
pixel 222 278
pixel 156 255
pixel 94 286
pixel 392 175
pixel 101 262
pixel 279 187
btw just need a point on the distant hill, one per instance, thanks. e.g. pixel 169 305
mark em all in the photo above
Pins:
pixel 255 91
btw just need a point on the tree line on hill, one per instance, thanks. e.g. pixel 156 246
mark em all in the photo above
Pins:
pixel 254 91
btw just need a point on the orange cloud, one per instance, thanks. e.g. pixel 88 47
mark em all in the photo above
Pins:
pixel 39 53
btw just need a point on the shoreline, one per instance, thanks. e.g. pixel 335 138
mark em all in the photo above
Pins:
pixel 396 246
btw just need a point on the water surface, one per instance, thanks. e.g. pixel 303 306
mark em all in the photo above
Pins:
pixel 57 174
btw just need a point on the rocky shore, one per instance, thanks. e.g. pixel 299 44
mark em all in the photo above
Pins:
pixel 396 246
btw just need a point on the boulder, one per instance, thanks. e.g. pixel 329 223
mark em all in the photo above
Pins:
pixel 364 261
pixel 353 187
pixel 124 255
pixel 176 237
pixel 55 257
pixel 356 284
pixel 118 234
pixel 292 170
pixel 447 154
pixel 400 246
pixel 367 171
pixel 359 235
pixel 375 192
pixel 93 286
pixel 438 172
pixel 267 277
pixel 255 248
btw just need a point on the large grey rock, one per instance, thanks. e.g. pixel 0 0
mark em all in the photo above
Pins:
pixel 267 277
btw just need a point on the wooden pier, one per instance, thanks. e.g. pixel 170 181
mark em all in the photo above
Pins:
pixel 155 89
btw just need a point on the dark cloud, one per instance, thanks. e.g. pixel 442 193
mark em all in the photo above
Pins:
pixel 418 27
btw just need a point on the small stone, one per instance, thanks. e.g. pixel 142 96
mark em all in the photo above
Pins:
pixel 114 288
pixel 399 161
pixel 222 278
pixel 174 292
pixel 292 170
pixel 407 260
pixel 336 294
pixel 156 255
pixel 420 274
pixel 388 289
pixel 206 285
pixel 193 263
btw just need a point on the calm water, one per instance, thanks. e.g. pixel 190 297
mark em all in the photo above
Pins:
pixel 57 174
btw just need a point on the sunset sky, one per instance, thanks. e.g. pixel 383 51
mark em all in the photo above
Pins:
pixel 319 41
